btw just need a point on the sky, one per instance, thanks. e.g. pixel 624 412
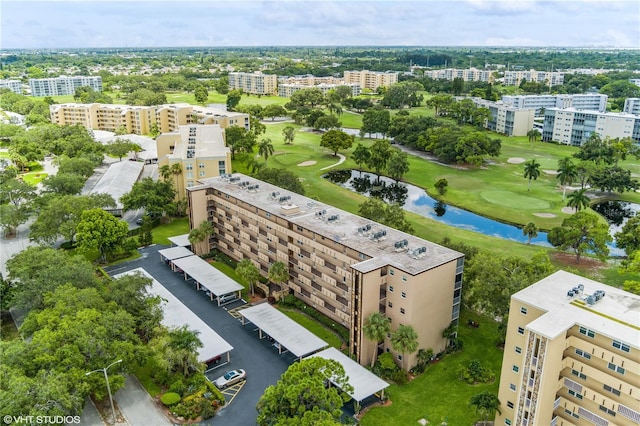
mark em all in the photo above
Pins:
pixel 27 24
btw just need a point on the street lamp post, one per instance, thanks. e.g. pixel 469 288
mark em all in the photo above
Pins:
pixel 106 378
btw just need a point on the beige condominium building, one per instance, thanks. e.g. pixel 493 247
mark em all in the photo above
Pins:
pixel 550 78
pixel 141 119
pixel 344 265
pixel 371 79
pixel 200 151
pixel 572 355
pixel 255 83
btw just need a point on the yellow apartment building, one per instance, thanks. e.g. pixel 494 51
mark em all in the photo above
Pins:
pixel 255 83
pixel 371 79
pixel 199 149
pixel 572 355
pixel 344 265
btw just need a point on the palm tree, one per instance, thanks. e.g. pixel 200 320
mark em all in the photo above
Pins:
pixel 375 327
pixel 486 404
pixel 578 199
pixel 165 172
pixel 195 237
pixel 201 233
pixel 248 271
pixel 533 136
pixel 278 273
pixel 405 340
pixel 530 230
pixel 531 171
pixel 567 173
pixel 289 134
pixel 176 170
pixel 265 149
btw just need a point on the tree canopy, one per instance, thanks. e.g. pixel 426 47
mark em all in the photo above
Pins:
pixel 582 232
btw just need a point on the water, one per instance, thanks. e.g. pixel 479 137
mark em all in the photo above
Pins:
pixel 416 200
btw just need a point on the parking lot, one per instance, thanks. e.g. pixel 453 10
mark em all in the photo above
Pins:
pixel 257 357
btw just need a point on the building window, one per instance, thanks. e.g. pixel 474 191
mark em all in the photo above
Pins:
pixel 268 214
pixel 512 387
pixel 188 166
pixel 201 173
pixel 404 278
pixel 574 393
pixel 616 368
pixel 587 332
pixel 507 422
pixel 579 374
pixel 399 357
pixel 520 330
pixel 390 304
pixel 189 175
pixel 509 404
pixel 390 289
pixel 404 295
pixel 515 368
pixel 201 165
pixel 391 271
pixel 583 354
pixel 608 411
pixel 622 346
pixel 518 350
pixel 402 310
pixel 523 310
pixel 612 390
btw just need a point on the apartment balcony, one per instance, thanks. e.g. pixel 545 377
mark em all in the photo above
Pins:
pixel 383 293
pixel 316 286
pixel 342 286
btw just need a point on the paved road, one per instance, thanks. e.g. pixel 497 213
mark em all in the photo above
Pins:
pixel 261 361
pixel 137 406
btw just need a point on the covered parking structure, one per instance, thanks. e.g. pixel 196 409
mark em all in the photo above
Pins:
pixel 173 253
pixel 180 240
pixel 364 382
pixel 207 278
pixel 176 314
pixel 286 333
pixel 117 181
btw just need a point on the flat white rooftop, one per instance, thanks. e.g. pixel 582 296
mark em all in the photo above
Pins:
pixel 291 335
pixel 176 314
pixel 118 179
pixel 364 382
pixel 180 240
pixel 207 276
pixel 173 253
pixel 616 315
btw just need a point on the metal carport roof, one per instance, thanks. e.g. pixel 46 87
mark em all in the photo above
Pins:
pixel 174 253
pixel 176 314
pixel 207 276
pixel 180 240
pixel 364 382
pixel 288 333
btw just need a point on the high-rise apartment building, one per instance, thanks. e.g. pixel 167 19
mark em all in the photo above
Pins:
pixel 632 106
pixel 287 89
pixel 200 151
pixel 255 83
pixel 371 79
pixel 507 119
pixel 345 266
pixel 572 355
pixel 589 101
pixel 550 78
pixel 14 85
pixel 63 85
pixel 572 127
pixel 470 74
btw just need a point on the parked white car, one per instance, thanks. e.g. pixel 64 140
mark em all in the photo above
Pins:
pixel 231 378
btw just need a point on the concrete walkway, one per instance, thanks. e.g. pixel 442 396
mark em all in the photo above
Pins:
pixel 90 415
pixel 137 406
pixel 342 160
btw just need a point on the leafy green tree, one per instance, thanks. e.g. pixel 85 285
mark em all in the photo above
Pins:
pixel 177 351
pixel 233 99
pixel 379 156
pixel 222 85
pixel 582 232
pixel 17 192
pixel 281 177
pixel 440 104
pixel 278 273
pixel 302 389
pixel 63 184
pixel 441 186
pixel 578 200
pixel 154 197
pixel 248 272
pixel 486 404
pixel 632 265
pixel 122 147
pixel 629 236
pixel 289 134
pixel 99 230
pixel 239 140
pixel 597 150
pixel 530 231
pixel 11 217
pixel 80 166
pixel 375 120
pixel 274 110
pixel 306 97
pixel 336 140
pixel 327 122
pixel 531 171
pixel 392 215
pixel 403 94
pixel 361 156
pixel 404 340
pixel 613 179
pixel 398 165
pixel 201 94
pixel 375 327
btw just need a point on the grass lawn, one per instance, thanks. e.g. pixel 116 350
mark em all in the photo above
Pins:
pixel 438 395
pixel 33 178
pixel 144 375
pixel 177 226
pixel 313 326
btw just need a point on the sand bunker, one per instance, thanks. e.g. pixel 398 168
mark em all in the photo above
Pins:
pixel 548 215
pixel 568 210
pixel 550 172
pixel 516 160
pixel 306 163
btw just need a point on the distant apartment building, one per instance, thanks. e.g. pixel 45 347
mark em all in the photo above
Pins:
pixel 632 106
pixel 593 102
pixel 514 78
pixel 344 265
pixel 255 83
pixel 470 74
pixel 635 81
pixel 571 356
pixel 141 119
pixel 14 85
pixel 507 119
pixel 287 89
pixel 200 150
pixel 63 85
pixel 573 127
pixel 371 79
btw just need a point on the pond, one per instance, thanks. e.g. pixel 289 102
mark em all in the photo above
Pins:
pixel 416 200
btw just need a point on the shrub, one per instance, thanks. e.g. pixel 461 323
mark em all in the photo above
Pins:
pixel 178 387
pixel 475 372
pixel 170 398
pixel 401 377
pixel 385 366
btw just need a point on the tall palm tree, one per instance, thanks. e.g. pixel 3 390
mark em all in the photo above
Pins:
pixel 531 171
pixel 165 172
pixel 530 230
pixel 533 136
pixel 265 148
pixel 375 327
pixel 176 170
pixel 278 273
pixel 248 271
pixel 578 199
pixel 405 340
pixel 567 173
pixel 486 404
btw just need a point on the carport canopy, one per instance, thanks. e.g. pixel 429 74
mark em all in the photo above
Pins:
pixel 173 253
pixel 364 382
pixel 176 314
pixel 180 240
pixel 206 275
pixel 288 333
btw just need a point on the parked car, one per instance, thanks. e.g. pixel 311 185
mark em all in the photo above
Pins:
pixel 228 297
pixel 231 378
